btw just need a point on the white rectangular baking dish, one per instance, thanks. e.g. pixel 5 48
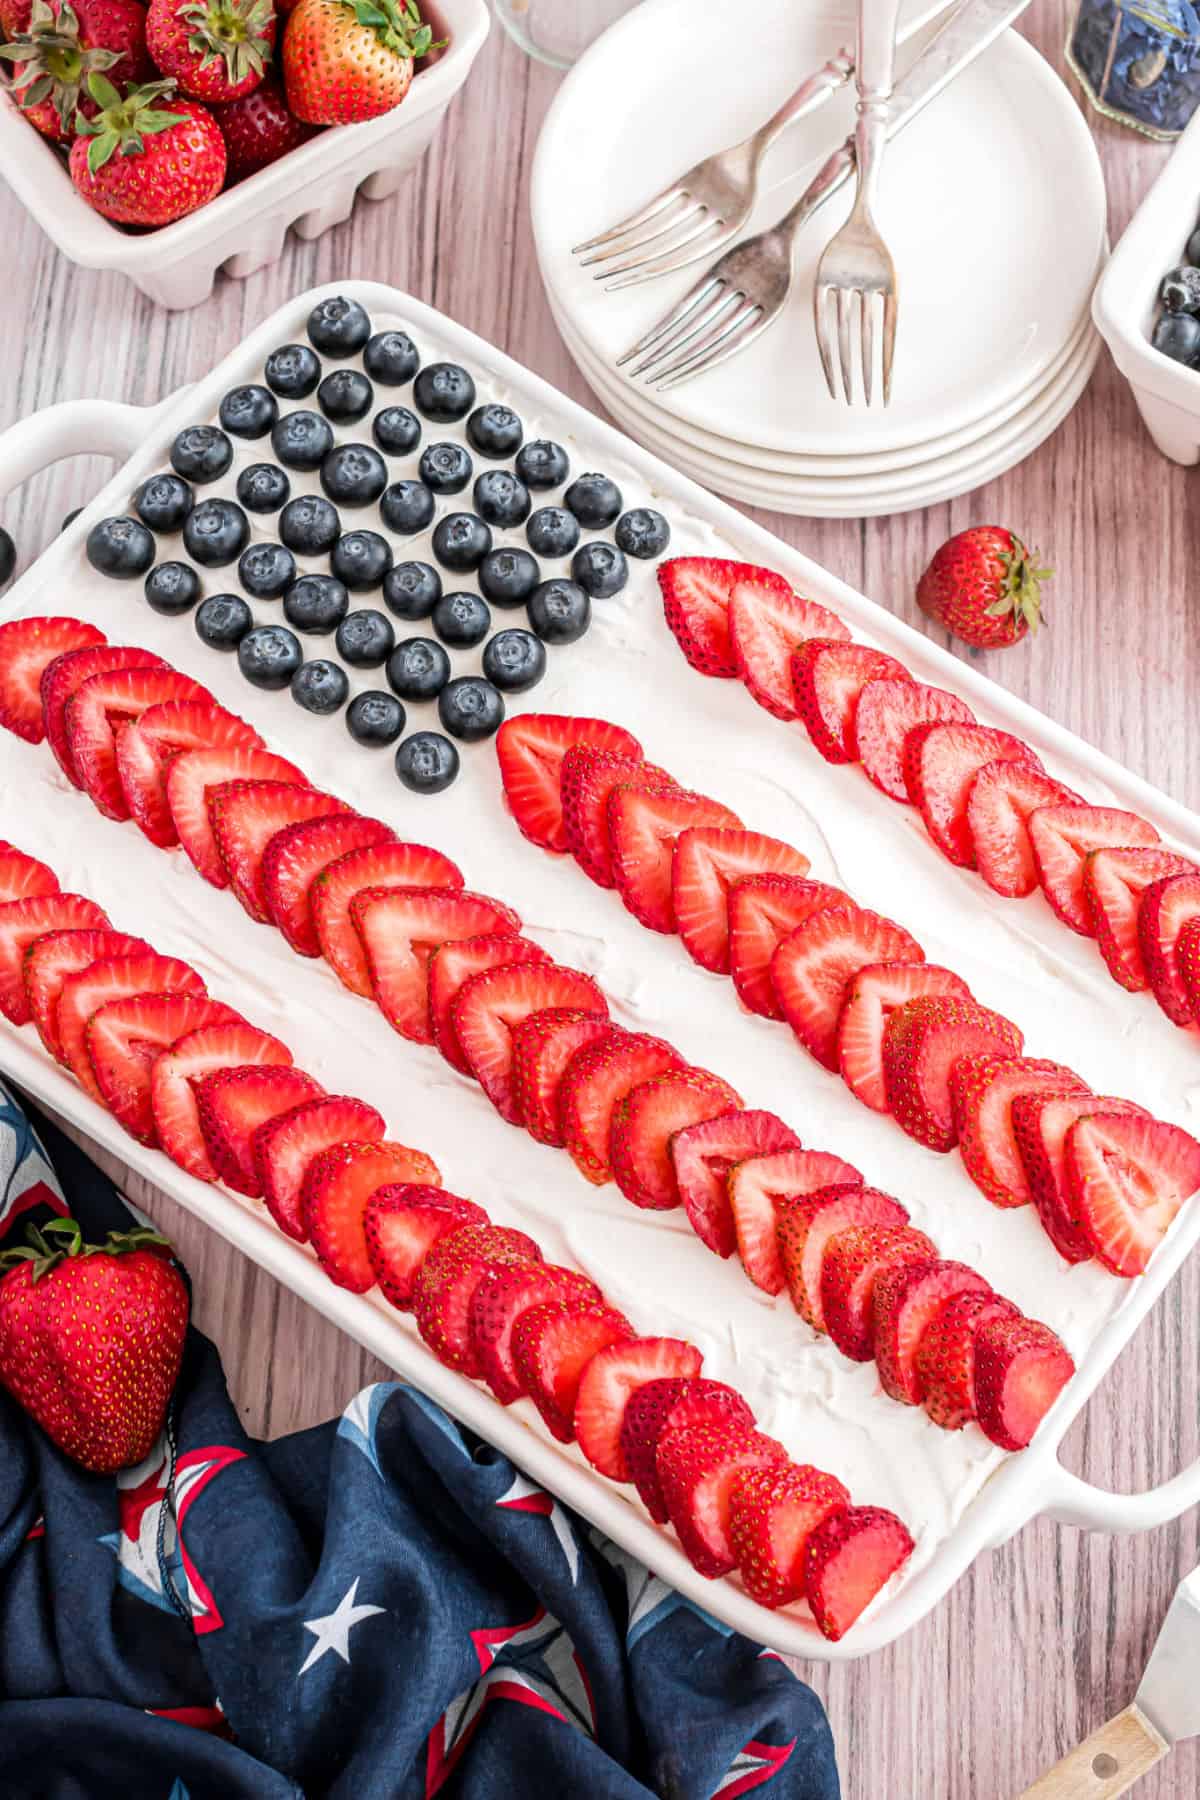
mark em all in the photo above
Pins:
pixel 1023 1486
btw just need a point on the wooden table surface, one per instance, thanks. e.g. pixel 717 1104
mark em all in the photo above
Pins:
pixel 1046 1637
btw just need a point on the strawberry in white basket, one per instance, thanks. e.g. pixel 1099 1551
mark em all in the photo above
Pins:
pixel 61 45
pixel 217 50
pixel 147 158
pixel 985 587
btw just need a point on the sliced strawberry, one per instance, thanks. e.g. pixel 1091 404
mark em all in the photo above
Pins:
pixel 705 1155
pixel 453 964
pixel 697 1468
pixel 173 1079
pixel 124 1038
pixel 872 996
pixel 695 593
pixel 1040 1125
pixel 939 763
pixel 588 777
pixel 1113 884
pixel 1062 837
pixel 489 1007
pixel 50 959
pixel 297 855
pixel 377 866
pixel 245 816
pixel 887 712
pixel 762 912
pixel 62 677
pixel 767 622
pixel 543 1045
pixel 605 1388
pixel 907 1300
pixel 27 647
pixel 849 1558
pixel 643 824
pixel 923 1040
pixel 399 931
pixel 338 1183
pixel 552 1345
pixel 144 746
pixel 595 1081
pixel 1021 1368
pixel 1127 1178
pixel 1000 800
pixel 645 1122
pixel 855 1262
pixel 23 877
pixel 233 1103
pixel 90 714
pixel 112 978
pixel 285 1144
pixel 449 1278
pixel 828 678
pixel 402 1222
pixel 192 773
pixel 22 923
pixel 658 1407
pixel 946 1355
pixel 773 1512
pixel 1187 958
pixel 982 1090
pixel 706 863
pixel 1167 906
pixel 813 967
pixel 808 1223
pixel 755 1190
pixel 500 1300
pixel 530 751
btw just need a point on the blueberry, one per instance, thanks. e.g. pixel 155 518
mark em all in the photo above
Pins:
pixel 302 440
pixel 396 430
pixel 375 718
pixel 173 587
pixel 8 556
pixel 361 559
pixel 412 589
pixel 642 532
pixel 559 612
pixel 595 501
pixel 1180 290
pixel 293 371
pixel 263 488
pixel 1177 335
pixel 70 518
pixel 508 577
pixel 310 525
pixel 470 708
pixel 443 391
pixel 222 621
pixel 462 620
pixel 269 656
pixel 502 498
pixel 461 541
pixel 407 507
pixel 316 604
pixel 216 532
pixel 163 502
pixel 427 762
pixel 345 396
pixel 122 548
pixel 201 453
pixel 249 411
pixel 495 431
pixel 446 468
pixel 354 474
pixel 542 464
pixel 266 571
pixel 338 326
pixel 418 669
pixel 552 531
pixel 391 357
pixel 514 661
pixel 600 569
pixel 365 639
pixel 320 687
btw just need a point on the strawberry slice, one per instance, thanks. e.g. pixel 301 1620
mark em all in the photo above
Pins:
pixel 233 1103
pixel 91 711
pixel 940 762
pixel 552 1345
pixel 402 1222
pixel 1040 1125
pixel 1113 884
pixel 705 1155
pixel 1167 906
pixel 543 1045
pixel 23 877
pixel 813 967
pixel 850 1557
pixel 855 1262
pixel 144 746
pixel 695 592
pixel 530 750
pixel 124 1038
pixel 399 929
pixel 595 1081
pixel 489 1007
pixel 588 777
pixel 772 1514
pixel 982 1090
pixel 1000 800
pixel 828 678
pixel 643 824
pixel 447 1283
pixel 808 1223
pixel 706 863
pixel 500 1300
pixel 697 1468
pixel 645 1122
pixel 22 923
pixel 1062 837
pixel 285 1144
pixel 112 978
pixel 377 866
pixel 921 1044
pixel 1187 956
pixel 192 773
pixel 50 959
pixel 296 856
pixel 658 1407
pixel 245 816
pixel 1021 1368
pixel 756 1188
pixel 62 678
pixel 338 1183
pixel 605 1388
pixel 27 647
pixel 1127 1178
pixel 762 912
pixel 767 622
pixel 887 711
pixel 872 996
pixel 945 1368
pixel 454 963
pixel 907 1300
pixel 172 1085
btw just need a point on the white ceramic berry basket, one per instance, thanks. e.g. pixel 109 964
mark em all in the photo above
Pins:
pixel 348 1047
pixel 308 191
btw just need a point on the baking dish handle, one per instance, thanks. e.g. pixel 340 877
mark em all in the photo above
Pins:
pixel 1075 1502
pixel 73 428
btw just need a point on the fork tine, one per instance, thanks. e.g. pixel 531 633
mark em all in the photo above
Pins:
pixel 691 210
pixel 866 332
pixel 752 326
pixel 643 216
pixel 890 311
pixel 702 290
pixel 706 322
pixel 697 221
pixel 706 240
pixel 699 359
pixel 845 299
pixel 821 298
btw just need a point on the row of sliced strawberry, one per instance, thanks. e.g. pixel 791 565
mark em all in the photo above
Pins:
pixel 985 798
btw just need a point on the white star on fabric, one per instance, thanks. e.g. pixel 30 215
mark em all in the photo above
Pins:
pixel 333 1632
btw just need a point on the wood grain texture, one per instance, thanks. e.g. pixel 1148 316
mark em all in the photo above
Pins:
pixel 1046 1637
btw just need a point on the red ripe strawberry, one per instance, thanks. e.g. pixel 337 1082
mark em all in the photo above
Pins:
pixel 400 930
pixel 643 824
pixel 854 1264
pixel 245 816
pixel 706 864
pixel 705 1155
pixel 91 1339
pixel 27 646
pixel 543 1045
pixel 90 710
pixel 62 47
pixel 767 622
pixel 449 1277
pixel 982 1090
pixel 757 1187
pixel 1021 1368
pixel 1187 960
pixel 923 1041
pixel 125 1036
pixel 945 1365
pixel 609 1380
pixel 645 1122
pixel 657 1407
pixel 530 750
pixel 872 996
pixel 453 964
pixel 828 678
pixel 233 1103
pixel 49 960
pixel 192 773
pixel 695 592
pixel 940 762
pixel 1062 837
pixel 143 748
pixel 985 587
pixel 1000 800
pixel 23 877
pixel 285 1144
pixel 698 1466
pixel 773 1512
pixel 346 60
pixel 552 1345
pixel 378 866
pixel 492 1004
pixel 887 712
pixel 500 1300
pixel 1040 1125
pixel 1167 906
pixel 907 1300
pixel 762 912
pixel 147 158
pixel 595 1081
pixel 217 50
pixel 296 856
pixel 587 778
pixel 14 17
pixel 401 1223
pixel 848 1558
pixel 808 1223
pixel 82 994
pixel 65 674
pixel 173 1079
pixel 22 923
pixel 338 1183
pixel 258 129
pixel 813 967
pixel 1113 884
pixel 1127 1178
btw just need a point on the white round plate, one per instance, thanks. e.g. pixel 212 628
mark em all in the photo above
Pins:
pixel 996 259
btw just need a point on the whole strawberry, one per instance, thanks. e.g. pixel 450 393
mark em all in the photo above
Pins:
pixel 14 17
pixel 345 60
pixel 147 159
pixel 217 50
pixel 258 129
pixel 62 46
pixel 91 1338
pixel 985 587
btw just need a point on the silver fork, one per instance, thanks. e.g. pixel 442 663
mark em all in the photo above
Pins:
pixel 857 264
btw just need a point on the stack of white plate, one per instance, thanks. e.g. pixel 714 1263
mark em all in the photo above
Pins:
pixel 993 206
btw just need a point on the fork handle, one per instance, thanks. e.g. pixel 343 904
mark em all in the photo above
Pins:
pixel 811 93
pixel 877 21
